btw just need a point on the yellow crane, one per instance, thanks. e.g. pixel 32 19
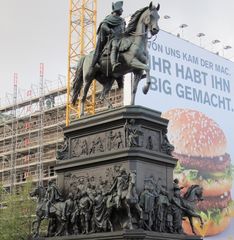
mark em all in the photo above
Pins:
pixel 82 39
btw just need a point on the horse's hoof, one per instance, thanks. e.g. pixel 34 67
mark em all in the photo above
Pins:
pixel 145 89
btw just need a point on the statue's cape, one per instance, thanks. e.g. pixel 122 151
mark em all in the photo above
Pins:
pixel 112 21
pixel 57 194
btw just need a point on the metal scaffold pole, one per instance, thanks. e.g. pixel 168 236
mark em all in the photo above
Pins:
pixel 41 125
pixel 82 40
pixel 14 135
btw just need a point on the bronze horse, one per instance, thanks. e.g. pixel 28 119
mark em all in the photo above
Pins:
pixel 193 194
pixel 133 56
pixel 55 213
pixel 129 205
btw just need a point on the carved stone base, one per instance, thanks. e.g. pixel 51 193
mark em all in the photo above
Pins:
pixel 119 163
pixel 128 235
pixel 130 137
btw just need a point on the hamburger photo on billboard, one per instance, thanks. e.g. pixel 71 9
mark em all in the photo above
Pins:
pixel 201 149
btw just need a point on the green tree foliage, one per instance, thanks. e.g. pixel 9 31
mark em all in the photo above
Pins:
pixel 16 214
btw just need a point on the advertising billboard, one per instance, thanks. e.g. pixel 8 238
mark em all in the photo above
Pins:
pixel 194 89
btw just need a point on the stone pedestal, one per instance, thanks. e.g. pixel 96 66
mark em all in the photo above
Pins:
pixel 99 143
pixel 119 146
pixel 128 235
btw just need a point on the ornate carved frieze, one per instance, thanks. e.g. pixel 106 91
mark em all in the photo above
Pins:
pixel 109 200
pixel 129 135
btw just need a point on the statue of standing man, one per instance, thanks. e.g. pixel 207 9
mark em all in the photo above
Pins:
pixel 111 28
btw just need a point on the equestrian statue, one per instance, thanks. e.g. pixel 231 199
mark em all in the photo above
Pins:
pixel 50 205
pixel 119 51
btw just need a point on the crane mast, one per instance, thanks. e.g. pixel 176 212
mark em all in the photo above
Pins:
pixel 82 40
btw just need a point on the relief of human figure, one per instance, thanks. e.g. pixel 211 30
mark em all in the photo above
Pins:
pixel 68 210
pixel 75 219
pixel 84 148
pixel 177 209
pixel 147 201
pixel 101 217
pixel 119 185
pixel 161 205
pixel 111 28
pixel 118 141
pixel 166 146
pixel 62 151
pixel 99 145
pixel 52 196
pixel 149 144
pixel 85 207
pixel 132 133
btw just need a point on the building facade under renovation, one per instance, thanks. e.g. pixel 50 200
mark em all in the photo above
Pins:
pixel 31 132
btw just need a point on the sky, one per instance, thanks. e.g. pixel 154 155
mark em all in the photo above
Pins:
pixel 35 31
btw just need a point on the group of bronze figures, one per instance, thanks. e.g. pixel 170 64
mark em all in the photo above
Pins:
pixel 102 205
pixel 130 136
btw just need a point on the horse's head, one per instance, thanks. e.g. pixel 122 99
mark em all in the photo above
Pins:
pixel 199 193
pixel 194 193
pixel 151 17
pixel 38 192
pixel 34 193
pixel 148 17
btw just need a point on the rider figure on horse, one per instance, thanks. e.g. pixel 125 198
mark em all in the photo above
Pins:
pixel 112 28
pixel 52 196
pixel 120 184
pixel 177 207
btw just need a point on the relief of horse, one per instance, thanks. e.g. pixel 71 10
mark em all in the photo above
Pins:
pixel 193 194
pixel 54 215
pixel 129 206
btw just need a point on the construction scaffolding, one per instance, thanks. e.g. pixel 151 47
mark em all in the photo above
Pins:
pixel 31 129
pixel 32 122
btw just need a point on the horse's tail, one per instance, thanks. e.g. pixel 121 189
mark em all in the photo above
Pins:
pixel 77 81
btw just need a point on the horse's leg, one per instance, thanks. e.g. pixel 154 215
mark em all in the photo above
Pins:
pixel 137 78
pixel 191 224
pixel 136 64
pixel 35 234
pixel 140 211
pixel 108 215
pixel 129 214
pixel 201 221
pixel 141 214
pixel 148 82
pixel 199 217
pixel 61 226
pixel 49 229
pixel 38 221
pixel 85 91
pixel 110 225
pixel 33 225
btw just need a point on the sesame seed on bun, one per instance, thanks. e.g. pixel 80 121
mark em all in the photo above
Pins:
pixel 193 133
